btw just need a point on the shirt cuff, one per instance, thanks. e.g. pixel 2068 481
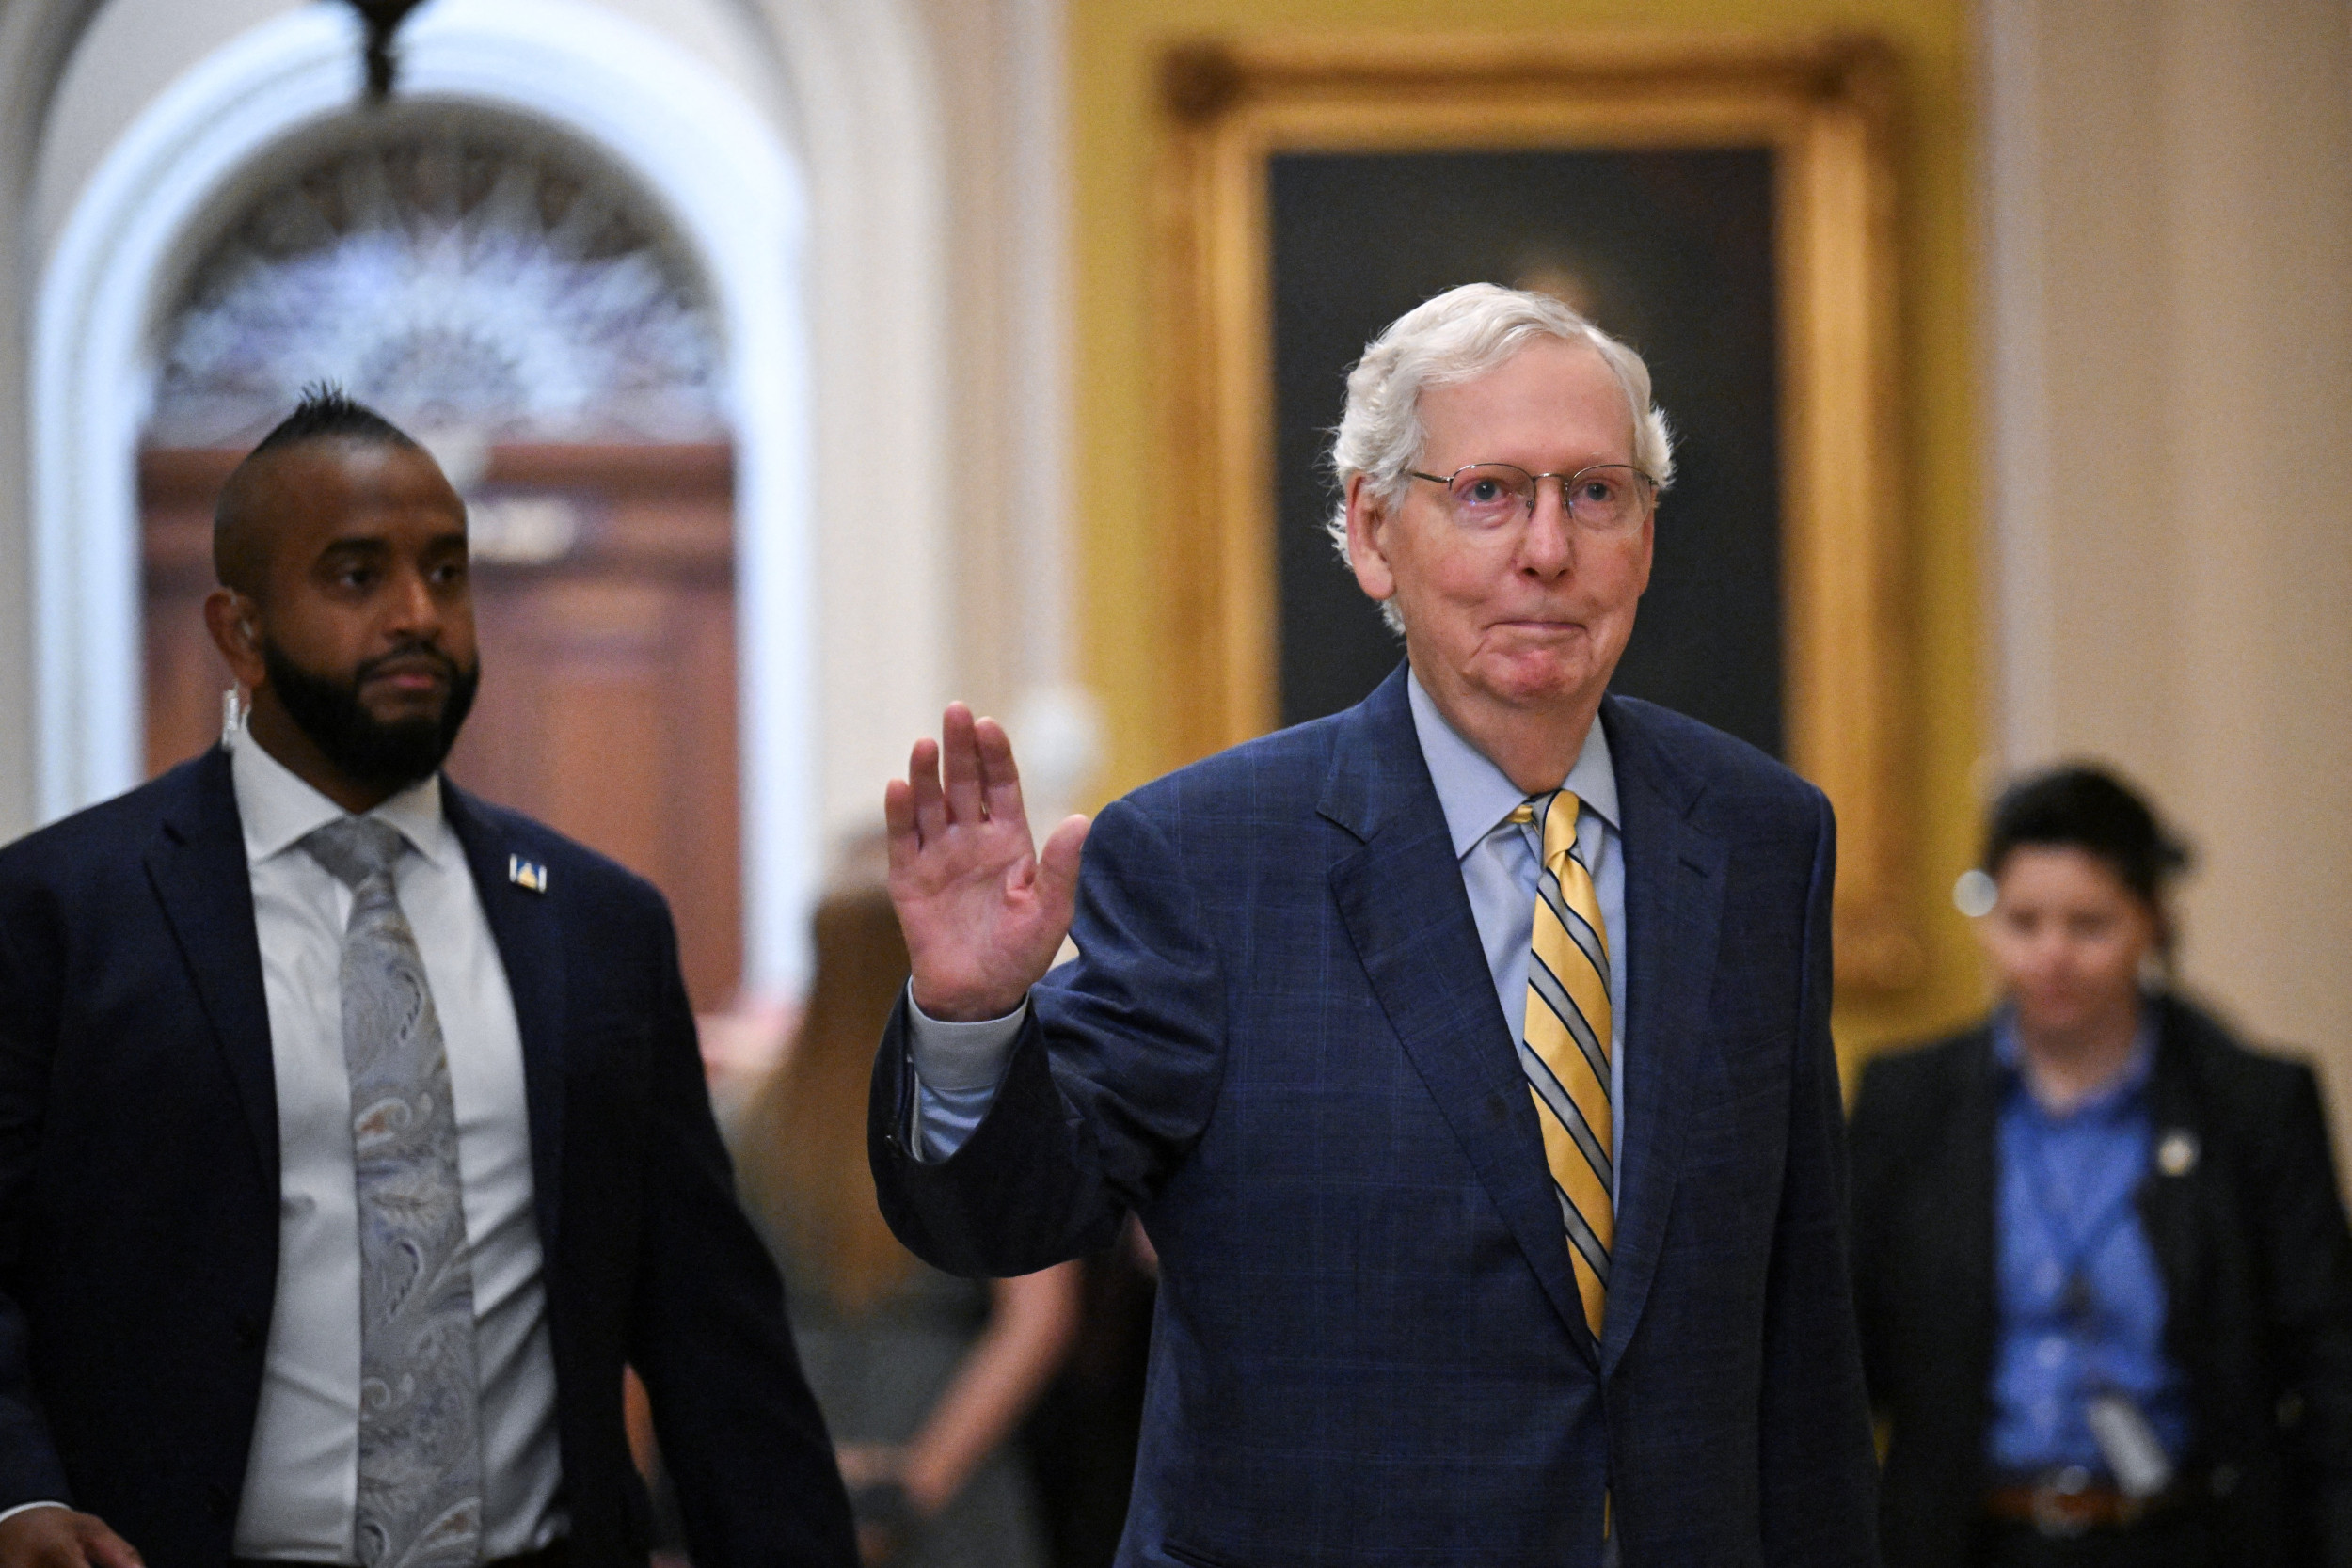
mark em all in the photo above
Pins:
pixel 9 1513
pixel 956 1069
pixel 961 1056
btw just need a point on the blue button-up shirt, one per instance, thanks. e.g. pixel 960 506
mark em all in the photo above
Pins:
pixel 2067 1211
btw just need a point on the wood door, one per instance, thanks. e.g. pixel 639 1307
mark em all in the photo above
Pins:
pixel 604 585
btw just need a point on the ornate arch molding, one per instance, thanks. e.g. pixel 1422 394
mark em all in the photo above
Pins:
pixel 735 195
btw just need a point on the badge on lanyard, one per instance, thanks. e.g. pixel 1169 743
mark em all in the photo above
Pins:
pixel 2129 1444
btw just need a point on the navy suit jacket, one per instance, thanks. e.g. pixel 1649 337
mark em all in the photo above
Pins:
pixel 140 1192
pixel 1281 1047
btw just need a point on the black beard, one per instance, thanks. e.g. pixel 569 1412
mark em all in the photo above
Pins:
pixel 361 746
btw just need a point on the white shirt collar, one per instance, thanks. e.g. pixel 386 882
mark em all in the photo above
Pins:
pixel 1476 795
pixel 280 810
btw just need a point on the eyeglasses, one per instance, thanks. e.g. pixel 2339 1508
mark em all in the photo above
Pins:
pixel 1606 497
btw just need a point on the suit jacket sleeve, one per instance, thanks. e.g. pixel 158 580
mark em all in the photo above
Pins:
pixel 741 1433
pixel 2308 1257
pixel 1818 1486
pixel 30 1469
pixel 1110 1085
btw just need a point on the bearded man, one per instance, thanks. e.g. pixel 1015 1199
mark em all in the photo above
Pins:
pixel 353 1135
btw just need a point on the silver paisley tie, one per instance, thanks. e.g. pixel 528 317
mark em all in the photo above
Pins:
pixel 420 1501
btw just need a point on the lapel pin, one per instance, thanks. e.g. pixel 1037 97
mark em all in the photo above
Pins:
pixel 526 874
pixel 2176 1154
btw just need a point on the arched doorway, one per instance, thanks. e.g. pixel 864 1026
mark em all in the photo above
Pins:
pixel 636 114
pixel 511 299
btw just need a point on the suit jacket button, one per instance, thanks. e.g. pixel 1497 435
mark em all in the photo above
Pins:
pixel 249 1330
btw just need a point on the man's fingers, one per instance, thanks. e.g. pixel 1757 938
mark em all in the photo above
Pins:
pixel 930 810
pixel 1000 781
pixel 898 825
pixel 58 1537
pixel 103 1547
pixel 959 764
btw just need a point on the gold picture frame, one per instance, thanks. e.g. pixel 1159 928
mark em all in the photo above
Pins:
pixel 1824 107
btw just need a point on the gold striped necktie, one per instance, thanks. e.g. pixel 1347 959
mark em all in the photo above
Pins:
pixel 1564 1049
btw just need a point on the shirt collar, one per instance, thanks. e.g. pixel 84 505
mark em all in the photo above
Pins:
pixel 2009 1052
pixel 1476 795
pixel 280 810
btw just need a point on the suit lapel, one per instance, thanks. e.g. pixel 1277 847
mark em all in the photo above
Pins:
pixel 1674 896
pixel 528 929
pixel 2172 1194
pixel 1966 1189
pixel 197 865
pixel 1400 893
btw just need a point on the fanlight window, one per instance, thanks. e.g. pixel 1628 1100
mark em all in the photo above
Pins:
pixel 457 281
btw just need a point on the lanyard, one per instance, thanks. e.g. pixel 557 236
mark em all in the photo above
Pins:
pixel 2073 1248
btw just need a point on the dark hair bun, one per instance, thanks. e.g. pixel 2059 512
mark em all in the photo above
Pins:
pixel 2087 808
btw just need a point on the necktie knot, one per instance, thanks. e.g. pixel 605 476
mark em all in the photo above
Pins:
pixel 1554 812
pixel 355 850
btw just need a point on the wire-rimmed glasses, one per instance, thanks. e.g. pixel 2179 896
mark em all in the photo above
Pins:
pixel 1606 497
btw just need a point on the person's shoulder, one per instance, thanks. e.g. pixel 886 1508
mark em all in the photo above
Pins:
pixel 2225 1065
pixel 1919 1080
pixel 89 840
pixel 1281 770
pixel 1731 776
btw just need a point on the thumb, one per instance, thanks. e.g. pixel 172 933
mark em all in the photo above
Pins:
pixel 1058 866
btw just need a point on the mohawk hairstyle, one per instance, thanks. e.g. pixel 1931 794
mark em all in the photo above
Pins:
pixel 326 413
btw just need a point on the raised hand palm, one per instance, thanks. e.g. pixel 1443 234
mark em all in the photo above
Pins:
pixel 983 914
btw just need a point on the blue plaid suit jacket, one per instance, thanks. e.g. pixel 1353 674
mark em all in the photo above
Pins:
pixel 1280 1046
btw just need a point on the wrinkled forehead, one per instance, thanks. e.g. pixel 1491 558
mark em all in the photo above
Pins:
pixel 1546 381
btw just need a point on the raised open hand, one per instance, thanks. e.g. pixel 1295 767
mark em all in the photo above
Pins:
pixel 983 911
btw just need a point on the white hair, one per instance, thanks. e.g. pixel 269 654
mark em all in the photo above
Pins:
pixel 1459 336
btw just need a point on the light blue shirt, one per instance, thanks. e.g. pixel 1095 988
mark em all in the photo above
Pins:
pixel 2081 1296
pixel 958 1066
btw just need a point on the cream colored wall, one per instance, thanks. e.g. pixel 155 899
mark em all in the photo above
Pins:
pixel 130 54
pixel 2169 396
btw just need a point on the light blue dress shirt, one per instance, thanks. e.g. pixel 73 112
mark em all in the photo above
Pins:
pixel 2069 1181
pixel 958 1066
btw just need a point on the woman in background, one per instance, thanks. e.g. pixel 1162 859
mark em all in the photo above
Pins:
pixel 2103 1276
pixel 923 1376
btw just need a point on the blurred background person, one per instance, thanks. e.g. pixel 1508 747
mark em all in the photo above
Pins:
pixel 924 1378
pixel 2104 1277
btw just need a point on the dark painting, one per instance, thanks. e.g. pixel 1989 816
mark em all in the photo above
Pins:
pixel 1671 251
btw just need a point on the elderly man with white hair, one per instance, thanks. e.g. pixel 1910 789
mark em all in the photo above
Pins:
pixel 1466 1054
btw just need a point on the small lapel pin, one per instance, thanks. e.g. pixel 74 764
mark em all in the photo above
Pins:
pixel 526 874
pixel 2176 1153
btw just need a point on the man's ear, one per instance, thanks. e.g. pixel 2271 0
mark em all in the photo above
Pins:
pixel 1365 524
pixel 234 621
